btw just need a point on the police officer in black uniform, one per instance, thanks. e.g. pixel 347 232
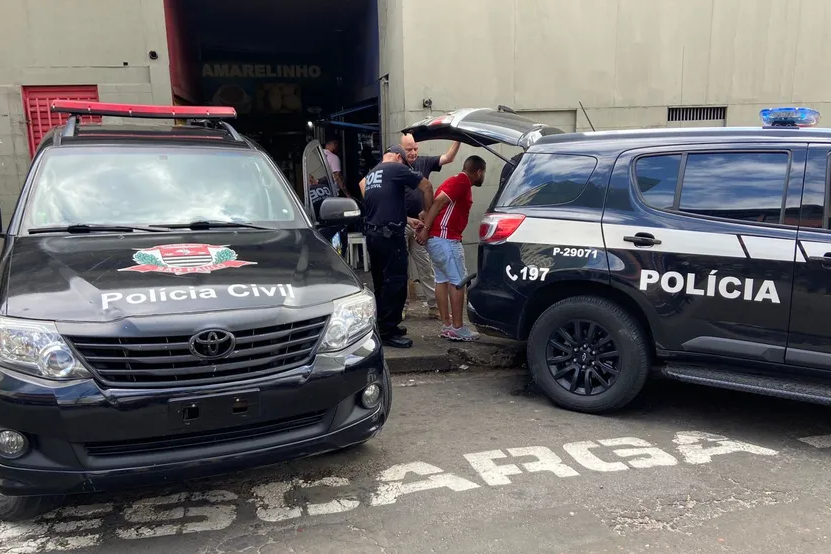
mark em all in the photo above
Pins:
pixel 386 220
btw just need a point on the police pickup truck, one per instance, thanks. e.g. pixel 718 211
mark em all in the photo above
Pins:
pixel 704 253
pixel 170 310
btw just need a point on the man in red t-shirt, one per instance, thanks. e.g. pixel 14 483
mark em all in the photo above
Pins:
pixel 444 224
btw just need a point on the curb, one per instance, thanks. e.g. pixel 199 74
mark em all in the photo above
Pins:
pixel 427 363
pixel 462 356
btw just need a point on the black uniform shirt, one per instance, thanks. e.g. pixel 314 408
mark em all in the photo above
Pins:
pixel 385 189
pixel 425 165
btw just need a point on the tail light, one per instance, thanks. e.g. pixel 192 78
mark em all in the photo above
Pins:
pixel 443 120
pixel 498 227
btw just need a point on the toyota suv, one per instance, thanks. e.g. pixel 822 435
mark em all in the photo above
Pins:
pixel 171 309
pixel 701 253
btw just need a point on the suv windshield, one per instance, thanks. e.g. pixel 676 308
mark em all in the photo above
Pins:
pixel 158 186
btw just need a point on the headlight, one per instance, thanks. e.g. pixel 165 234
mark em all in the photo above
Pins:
pixel 352 318
pixel 37 348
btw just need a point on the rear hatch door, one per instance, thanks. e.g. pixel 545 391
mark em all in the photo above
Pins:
pixel 482 127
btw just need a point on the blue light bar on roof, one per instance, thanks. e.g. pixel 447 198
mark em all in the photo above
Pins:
pixel 789 117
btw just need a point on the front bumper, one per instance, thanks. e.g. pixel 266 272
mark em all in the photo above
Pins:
pixel 88 439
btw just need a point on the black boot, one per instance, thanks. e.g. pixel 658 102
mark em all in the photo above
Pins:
pixel 396 342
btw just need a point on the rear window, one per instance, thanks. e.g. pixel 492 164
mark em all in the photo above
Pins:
pixel 745 186
pixel 741 186
pixel 547 179
pixel 152 185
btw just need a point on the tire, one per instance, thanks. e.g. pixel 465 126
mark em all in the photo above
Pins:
pixel 626 352
pixel 22 508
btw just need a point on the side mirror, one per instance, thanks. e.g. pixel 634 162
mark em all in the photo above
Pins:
pixel 338 210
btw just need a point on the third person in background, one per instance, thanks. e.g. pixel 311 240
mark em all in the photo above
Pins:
pixel 444 225
pixel 420 266
pixel 331 152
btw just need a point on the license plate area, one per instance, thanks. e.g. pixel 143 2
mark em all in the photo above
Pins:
pixel 214 411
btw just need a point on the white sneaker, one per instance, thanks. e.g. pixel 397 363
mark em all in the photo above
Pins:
pixel 463 333
pixel 445 331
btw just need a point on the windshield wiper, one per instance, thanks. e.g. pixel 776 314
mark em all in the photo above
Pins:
pixel 86 228
pixel 201 225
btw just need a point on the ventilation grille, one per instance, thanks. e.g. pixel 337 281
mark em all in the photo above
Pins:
pixel 697 114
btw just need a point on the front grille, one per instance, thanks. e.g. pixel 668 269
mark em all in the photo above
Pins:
pixel 168 361
pixel 196 440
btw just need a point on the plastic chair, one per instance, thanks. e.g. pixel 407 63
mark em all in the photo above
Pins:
pixel 357 241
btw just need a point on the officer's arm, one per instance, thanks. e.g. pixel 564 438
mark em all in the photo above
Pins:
pixel 440 202
pixel 427 192
pixel 362 184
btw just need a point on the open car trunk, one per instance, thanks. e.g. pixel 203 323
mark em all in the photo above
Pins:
pixel 482 127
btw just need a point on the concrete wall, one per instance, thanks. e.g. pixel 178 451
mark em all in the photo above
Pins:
pixel 74 42
pixel 625 60
pixel 391 62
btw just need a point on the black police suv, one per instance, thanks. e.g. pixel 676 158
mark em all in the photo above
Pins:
pixel 170 311
pixel 705 253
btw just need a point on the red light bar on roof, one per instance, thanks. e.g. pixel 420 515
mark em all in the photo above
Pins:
pixel 143 110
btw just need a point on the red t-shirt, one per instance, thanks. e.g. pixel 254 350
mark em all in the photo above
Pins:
pixel 452 219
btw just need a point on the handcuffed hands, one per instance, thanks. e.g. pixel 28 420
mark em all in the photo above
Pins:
pixel 422 234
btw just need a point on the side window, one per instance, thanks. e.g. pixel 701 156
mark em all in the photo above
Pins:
pixel 658 179
pixel 745 186
pixel 817 173
pixel 547 179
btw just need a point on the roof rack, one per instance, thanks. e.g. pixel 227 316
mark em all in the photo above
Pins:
pixel 195 115
pixel 213 124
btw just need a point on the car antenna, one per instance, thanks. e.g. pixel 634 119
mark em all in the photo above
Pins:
pixel 587 115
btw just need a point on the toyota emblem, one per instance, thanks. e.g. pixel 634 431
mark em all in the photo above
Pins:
pixel 212 344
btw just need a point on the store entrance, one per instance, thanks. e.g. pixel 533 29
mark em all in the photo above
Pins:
pixel 295 70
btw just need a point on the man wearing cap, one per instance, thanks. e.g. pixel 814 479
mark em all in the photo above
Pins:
pixel 383 190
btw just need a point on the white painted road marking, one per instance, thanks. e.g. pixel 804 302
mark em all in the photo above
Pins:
pixel 158 516
pixel 77 527
pixel 270 499
pixel 546 461
pixel 818 441
pixel 649 455
pixel 689 444
pixel 51 532
pixel 391 482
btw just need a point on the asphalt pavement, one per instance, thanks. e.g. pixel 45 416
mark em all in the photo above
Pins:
pixel 479 462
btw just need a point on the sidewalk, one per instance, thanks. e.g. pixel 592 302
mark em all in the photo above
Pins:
pixel 431 353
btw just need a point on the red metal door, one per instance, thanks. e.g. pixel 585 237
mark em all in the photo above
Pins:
pixel 39 119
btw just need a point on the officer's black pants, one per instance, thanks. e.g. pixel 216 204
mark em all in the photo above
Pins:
pixel 388 259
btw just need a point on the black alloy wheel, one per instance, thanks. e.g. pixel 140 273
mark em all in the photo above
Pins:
pixel 589 354
pixel 583 358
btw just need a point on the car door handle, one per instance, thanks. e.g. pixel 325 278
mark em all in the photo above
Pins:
pixel 642 239
pixel 825 259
